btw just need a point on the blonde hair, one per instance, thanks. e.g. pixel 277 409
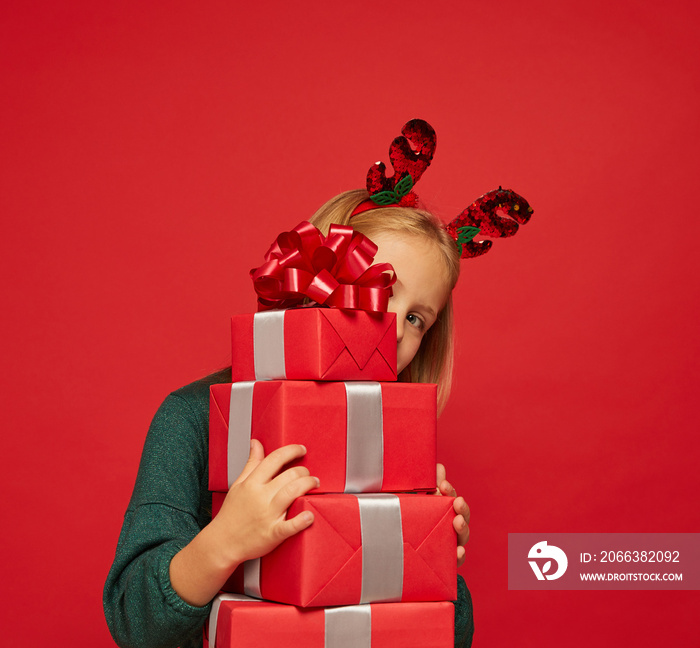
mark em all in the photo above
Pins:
pixel 434 360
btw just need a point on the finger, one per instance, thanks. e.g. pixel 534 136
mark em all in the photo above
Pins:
pixel 288 528
pixel 255 456
pixel 461 556
pixel 441 474
pixel 272 464
pixel 446 488
pixel 462 508
pixel 284 497
pixel 459 523
pixel 462 528
pixel 289 475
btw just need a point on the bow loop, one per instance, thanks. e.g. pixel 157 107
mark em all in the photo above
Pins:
pixel 335 270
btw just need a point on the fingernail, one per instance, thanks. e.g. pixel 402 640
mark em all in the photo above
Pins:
pixel 308 517
pixel 303 447
pixel 318 482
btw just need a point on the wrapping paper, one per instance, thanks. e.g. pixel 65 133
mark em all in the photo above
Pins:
pixel 314 344
pixel 249 623
pixel 346 557
pixel 348 450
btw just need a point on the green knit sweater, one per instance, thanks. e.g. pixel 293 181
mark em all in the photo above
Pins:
pixel 170 504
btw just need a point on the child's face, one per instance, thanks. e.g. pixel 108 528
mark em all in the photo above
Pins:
pixel 420 291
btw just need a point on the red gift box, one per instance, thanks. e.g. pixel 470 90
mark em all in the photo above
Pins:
pixel 248 623
pixel 360 437
pixel 359 549
pixel 314 344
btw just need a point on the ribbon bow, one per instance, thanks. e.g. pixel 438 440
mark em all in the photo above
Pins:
pixel 335 270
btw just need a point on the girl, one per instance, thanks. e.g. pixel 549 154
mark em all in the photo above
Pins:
pixel 172 559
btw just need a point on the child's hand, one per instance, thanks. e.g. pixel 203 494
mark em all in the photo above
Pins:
pixel 461 521
pixel 252 520
pixel 251 523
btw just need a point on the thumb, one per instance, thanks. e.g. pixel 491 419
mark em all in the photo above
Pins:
pixel 257 454
pixel 441 477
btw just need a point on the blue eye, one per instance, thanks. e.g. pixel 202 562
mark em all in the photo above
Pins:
pixel 416 321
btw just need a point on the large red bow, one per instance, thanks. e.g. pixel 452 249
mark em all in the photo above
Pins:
pixel 335 270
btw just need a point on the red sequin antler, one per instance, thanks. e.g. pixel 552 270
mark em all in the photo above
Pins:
pixel 482 217
pixel 410 155
pixel 496 214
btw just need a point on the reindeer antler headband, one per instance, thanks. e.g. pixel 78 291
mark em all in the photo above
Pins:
pixel 410 155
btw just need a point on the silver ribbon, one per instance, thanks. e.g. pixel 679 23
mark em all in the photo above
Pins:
pixel 240 418
pixel 382 548
pixel 345 627
pixel 364 465
pixel 214 614
pixel 382 551
pixel 348 627
pixel 251 578
pixel 268 345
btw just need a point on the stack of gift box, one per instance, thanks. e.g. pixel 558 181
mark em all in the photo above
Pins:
pixel 377 566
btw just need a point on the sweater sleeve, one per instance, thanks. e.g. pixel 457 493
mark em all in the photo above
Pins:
pixel 167 510
pixel 464 616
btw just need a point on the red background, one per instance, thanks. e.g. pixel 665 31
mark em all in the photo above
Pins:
pixel 150 152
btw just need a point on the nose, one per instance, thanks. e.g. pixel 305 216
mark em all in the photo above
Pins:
pixel 399 327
